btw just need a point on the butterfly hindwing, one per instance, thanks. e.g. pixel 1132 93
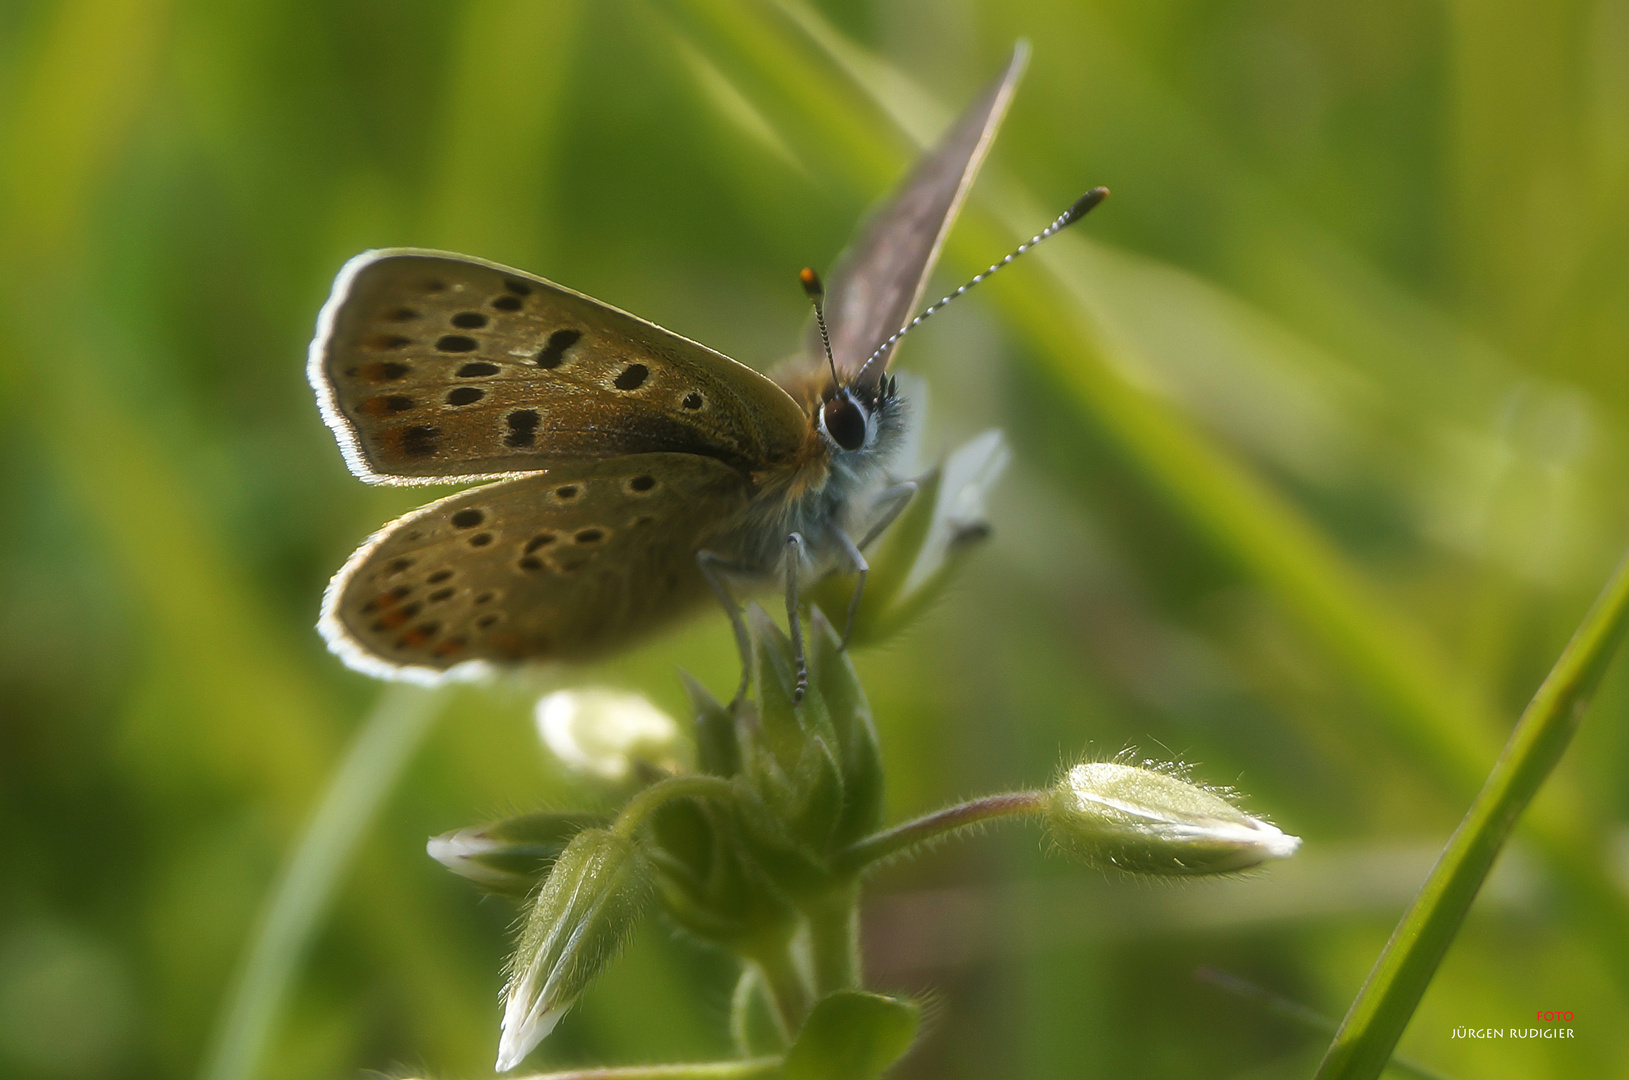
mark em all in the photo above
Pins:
pixel 434 367
pixel 561 565
pixel 879 281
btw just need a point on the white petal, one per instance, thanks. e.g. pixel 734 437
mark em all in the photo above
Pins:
pixel 602 732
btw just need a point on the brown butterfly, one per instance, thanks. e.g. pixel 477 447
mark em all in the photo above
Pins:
pixel 637 471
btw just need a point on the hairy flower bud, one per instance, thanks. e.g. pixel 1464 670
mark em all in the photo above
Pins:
pixel 1145 821
pixel 587 906
pixel 510 856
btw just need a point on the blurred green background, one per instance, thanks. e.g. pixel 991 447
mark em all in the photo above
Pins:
pixel 1319 458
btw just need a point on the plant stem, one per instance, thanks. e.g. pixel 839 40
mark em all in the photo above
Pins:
pixel 834 938
pixel 937 826
pixel 787 988
pixel 679 787
pixel 1405 967
pixel 371 766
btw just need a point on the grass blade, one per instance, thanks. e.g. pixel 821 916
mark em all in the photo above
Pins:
pixel 369 770
pixel 1393 990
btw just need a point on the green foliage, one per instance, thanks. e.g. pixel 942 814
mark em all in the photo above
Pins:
pixel 852 1035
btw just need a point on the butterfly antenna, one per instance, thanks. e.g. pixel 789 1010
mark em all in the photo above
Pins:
pixel 816 293
pixel 1077 210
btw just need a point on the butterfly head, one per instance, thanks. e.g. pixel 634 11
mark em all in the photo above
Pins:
pixel 853 420
pixel 854 417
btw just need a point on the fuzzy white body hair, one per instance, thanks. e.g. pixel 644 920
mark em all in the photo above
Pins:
pixel 845 503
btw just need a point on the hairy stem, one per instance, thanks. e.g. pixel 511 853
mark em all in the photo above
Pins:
pixel 680 787
pixel 937 826
pixel 787 988
pixel 834 938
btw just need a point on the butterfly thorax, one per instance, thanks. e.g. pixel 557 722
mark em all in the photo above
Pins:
pixel 824 488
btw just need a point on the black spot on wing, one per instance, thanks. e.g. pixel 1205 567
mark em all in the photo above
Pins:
pixel 553 353
pixel 420 440
pixel 522 427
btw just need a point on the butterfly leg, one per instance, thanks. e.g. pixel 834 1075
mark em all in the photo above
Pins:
pixel 796 553
pixel 898 498
pixel 713 568
pixel 856 563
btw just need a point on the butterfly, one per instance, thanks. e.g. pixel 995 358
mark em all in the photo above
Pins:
pixel 637 473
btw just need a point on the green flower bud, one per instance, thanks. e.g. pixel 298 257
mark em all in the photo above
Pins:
pixel 509 857
pixel 1145 821
pixel 587 907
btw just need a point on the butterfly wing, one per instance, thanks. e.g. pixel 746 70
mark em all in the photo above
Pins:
pixel 436 368
pixel 879 281
pixel 558 566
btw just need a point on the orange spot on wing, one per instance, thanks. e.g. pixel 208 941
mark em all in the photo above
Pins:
pixel 378 371
pixel 413 639
pixel 385 342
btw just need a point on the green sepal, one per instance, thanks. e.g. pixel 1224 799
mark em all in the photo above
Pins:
pixel 774 677
pixel 726 898
pixel 859 754
pixel 789 748
pixel 793 866
pixel 717 751
pixel 900 615
pixel 823 796
pixel 852 1035
pixel 753 1024
pixel 683 831
pixel 894 557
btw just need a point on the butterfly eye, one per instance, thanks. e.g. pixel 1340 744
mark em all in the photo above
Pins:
pixel 844 421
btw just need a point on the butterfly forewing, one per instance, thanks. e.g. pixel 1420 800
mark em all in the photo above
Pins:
pixel 879 281
pixel 557 566
pixel 435 367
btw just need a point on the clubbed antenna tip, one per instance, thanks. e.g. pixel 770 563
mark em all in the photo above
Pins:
pixel 1077 210
pixel 817 295
pixel 1082 206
